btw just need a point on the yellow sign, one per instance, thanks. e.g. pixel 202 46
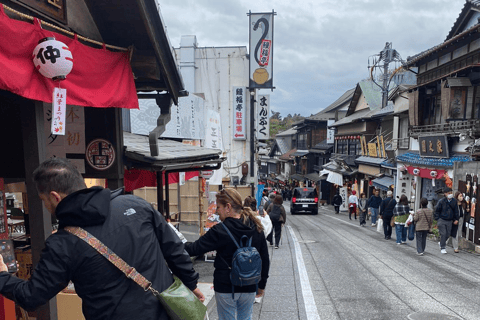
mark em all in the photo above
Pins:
pixel 364 146
pixel 372 149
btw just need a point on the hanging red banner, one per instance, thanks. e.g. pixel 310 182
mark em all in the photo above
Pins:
pixel 426 173
pixel 99 78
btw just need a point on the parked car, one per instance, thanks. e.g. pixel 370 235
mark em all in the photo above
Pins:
pixel 304 199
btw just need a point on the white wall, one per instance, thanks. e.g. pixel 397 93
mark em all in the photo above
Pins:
pixel 217 70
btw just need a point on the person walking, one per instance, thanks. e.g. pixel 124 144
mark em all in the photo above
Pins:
pixel 457 228
pixel 386 213
pixel 126 224
pixel 446 214
pixel 362 207
pixel 352 205
pixel 423 219
pixel 277 214
pixel 400 216
pixel 337 202
pixel 374 205
pixel 240 221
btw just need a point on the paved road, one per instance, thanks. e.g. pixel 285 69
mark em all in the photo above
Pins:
pixel 329 267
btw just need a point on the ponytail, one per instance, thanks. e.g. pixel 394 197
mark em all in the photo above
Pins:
pixel 248 214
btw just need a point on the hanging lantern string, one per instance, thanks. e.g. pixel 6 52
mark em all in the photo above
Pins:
pixel 23 15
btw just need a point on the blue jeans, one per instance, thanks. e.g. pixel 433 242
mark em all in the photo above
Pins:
pixel 239 308
pixel 401 233
pixel 374 212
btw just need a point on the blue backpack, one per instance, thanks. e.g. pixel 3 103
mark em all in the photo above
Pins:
pixel 246 267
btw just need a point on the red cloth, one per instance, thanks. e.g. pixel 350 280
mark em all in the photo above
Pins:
pixel 136 179
pixel 99 78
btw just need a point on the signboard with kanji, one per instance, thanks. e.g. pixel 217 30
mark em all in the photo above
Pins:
pixel 100 154
pixel 261 50
pixel 330 132
pixel 239 113
pixel 433 146
pixel 263 117
pixel 372 149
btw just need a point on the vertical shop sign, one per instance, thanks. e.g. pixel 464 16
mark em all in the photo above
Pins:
pixel 261 50
pixel 213 140
pixel 59 109
pixel 343 194
pixel 330 132
pixel 263 117
pixel 239 113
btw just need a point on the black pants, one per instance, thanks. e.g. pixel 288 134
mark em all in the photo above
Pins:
pixel 363 215
pixel 421 240
pixel 352 210
pixel 337 209
pixel 277 227
pixel 387 228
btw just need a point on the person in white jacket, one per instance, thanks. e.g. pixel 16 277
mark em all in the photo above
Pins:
pixel 352 205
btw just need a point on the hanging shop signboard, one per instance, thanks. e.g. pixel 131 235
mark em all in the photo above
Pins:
pixel 372 149
pixel 261 50
pixel 263 117
pixel 433 146
pixel 239 112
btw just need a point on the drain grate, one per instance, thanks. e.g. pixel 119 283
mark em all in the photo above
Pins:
pixel 431 316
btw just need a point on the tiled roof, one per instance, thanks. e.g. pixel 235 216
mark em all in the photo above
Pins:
pixel 468 5
pixel 287 132
pixel 282 145
pixel 288 155
pixel 370 160
pixel 383 183
pixel 347 96
pixel 414 158
pixel 323 145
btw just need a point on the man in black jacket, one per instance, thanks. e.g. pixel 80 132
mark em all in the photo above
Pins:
pixel 446 214
pixel 126 224
pixel 386 213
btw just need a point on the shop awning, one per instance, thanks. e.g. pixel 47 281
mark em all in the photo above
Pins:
pixel 415 159
pixel 297 177
pixel 172 155
pixel 315 177
pixel 300 153
pixel 370 160
pixel 341 168
pixel 383 183
pixel 334 177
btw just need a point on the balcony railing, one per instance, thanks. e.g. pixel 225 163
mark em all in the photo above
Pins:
pixel 452 127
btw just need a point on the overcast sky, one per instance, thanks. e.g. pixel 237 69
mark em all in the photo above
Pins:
pixel 321 46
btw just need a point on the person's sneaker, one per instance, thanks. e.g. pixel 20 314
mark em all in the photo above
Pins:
pixel 398 243
pixel 374 225
pixel 443 251
pixel 419 253
pixel 276 247
pixel 404 242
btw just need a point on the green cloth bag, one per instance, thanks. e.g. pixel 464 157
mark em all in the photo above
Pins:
pixel 180 303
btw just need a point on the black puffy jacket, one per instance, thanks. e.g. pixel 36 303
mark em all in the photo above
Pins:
pixel 132 229
pixel 217 239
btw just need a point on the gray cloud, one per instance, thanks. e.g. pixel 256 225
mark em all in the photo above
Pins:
pixel 322 46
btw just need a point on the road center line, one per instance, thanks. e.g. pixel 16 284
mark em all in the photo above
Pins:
pixel 308 299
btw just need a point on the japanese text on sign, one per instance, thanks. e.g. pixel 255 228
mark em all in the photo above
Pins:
pixel 433 146
pixel 59 109
pixel 263 117
pixel 239 113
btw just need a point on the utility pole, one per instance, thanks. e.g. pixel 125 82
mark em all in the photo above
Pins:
pixel 252 140
pixel 381 63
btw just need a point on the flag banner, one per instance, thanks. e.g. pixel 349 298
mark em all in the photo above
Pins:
pixel 99 78
pixel 261 50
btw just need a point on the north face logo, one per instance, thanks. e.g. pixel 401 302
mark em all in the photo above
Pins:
pixel 129 212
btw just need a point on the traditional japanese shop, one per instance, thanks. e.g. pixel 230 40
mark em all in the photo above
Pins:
pixel 69 68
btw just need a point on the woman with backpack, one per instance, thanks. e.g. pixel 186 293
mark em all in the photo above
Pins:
pixel 233 302
pixel 277 214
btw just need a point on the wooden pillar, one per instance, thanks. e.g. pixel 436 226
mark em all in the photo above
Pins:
pixel 160 192
pixel 179 199
pixel 200 205
pixel 117 181
pixel 34 149
pixel 167 197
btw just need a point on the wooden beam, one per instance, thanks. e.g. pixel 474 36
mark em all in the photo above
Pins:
pixel 34 148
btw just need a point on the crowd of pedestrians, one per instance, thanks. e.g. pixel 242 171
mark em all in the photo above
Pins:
pixel 397 214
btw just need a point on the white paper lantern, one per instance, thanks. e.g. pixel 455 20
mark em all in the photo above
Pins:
pixel 53 59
